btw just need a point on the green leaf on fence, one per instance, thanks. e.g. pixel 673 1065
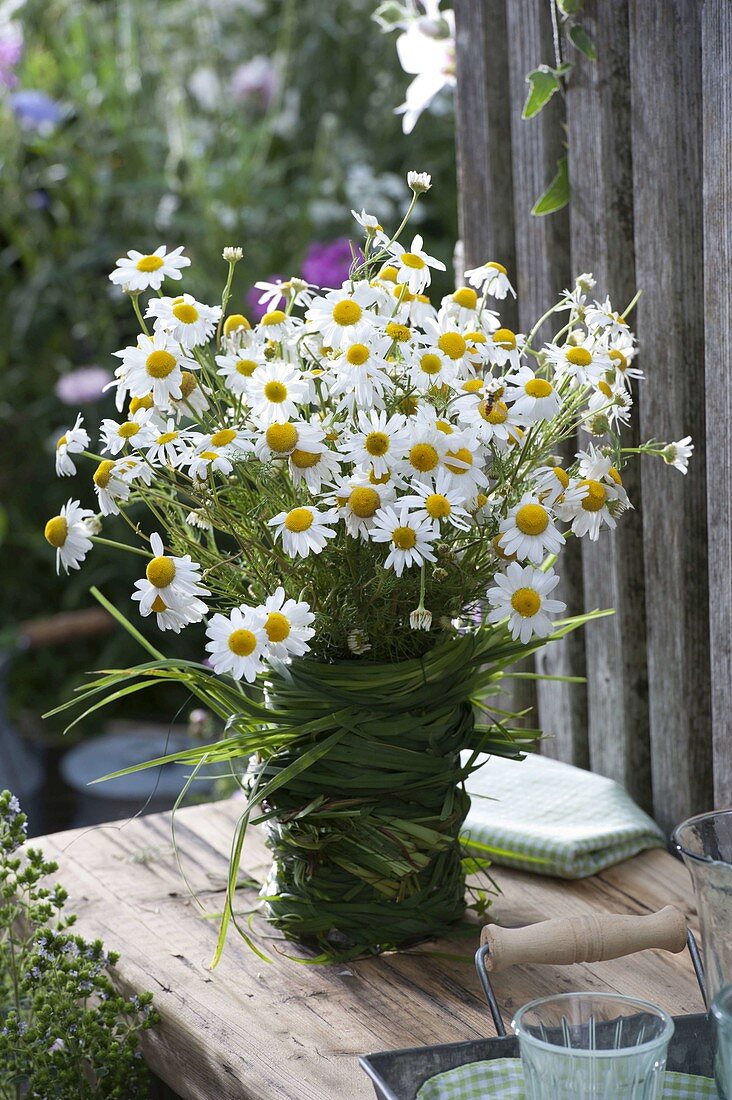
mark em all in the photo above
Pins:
pixel 557 193
pixel 581 41
pixel 544 84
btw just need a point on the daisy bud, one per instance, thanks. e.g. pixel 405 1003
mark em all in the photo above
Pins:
pixel 232 254
pixel 678 454
pixel 419 182
pixel 420 619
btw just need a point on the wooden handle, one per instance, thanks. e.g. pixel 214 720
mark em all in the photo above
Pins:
pixel 66 627
pixel 562 941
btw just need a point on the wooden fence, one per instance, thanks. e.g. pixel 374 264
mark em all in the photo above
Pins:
pixel 649 139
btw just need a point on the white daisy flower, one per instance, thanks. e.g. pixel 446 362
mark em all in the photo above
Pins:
pixel 533 399
pixel 303 530
pixel 359 377
pixel 462 305
pixel 521 595
pixel 112 484
pixel 585 363
pixel 314 467
pixel 287 624
pixel 157 364
pixel 419 182
pixel 408 535
pixel 227 440
pixel 464 462
pixel 138 431
pixel 237 367
pixel 575 298
pixel 168 446
pixel 280 439
pixel 72 442
pixel 613 401
pixel 621 353
pixel 276 325
pixel 430 368
pixel 68 533
pixel 171 584
pixel 359 499
pixel 550 484
pixel 425 449
pixel 238 643
pixel 601 315
pixel 503 347
pixel 419 309
pixel 484 411
pixel 193 400
pixel 595 498
pixel 137 271
pixel 413 265
pixel 443 333
pixel 380 442
pixel 201 463
pixel 439 502
pixel 370 225
pixel 276 390
pixel 678 454
pixel 491 278
pixel 528 531
pixel 273 294
pixel 189 322
pixel 338 315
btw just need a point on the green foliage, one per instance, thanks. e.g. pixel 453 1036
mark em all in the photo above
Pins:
pixel 581 40
pixel 65 1033
pixel 544 84
pixel 556 195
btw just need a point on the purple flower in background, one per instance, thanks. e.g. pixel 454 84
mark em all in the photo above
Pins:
pixel 327 263
pixel 257 308
pixel 35 110
pixel 11 51
pixel 256 82
pixel 82 386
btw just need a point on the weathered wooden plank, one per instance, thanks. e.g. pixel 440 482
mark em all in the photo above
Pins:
pixel 252 1030
pixel 542 270
pixel 665 55
pixel 717 197
pixel 601 230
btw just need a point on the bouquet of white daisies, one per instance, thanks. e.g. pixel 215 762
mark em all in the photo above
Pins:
pixel 361 478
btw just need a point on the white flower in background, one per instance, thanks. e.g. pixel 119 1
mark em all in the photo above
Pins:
pixel 430 368
pixel 528 531
pixel 408 535
pixel 237 366
pixel 426 51
pixel 419 182
pixel 532 398
pixel 381 441
pixel 138 271
pixel 238 643
pixel 621 353
pixel 189 322
pixel 156 363
pixel 584 362
pixel 370 225
pixel 314 467
pixel 678 454
pixel 72 442
pixel 168 446
pixel 193 400
pixel 138 431
pixel 171 584
pixel 521 595
pixel 601 315
pixel 273 293
pixel 504 347
pixel 276 325
pixel 275 391
pixel 229 441
pixel 359 499
pixel 360 375
pixel 575 298
pixel 68 533
pixel 287 624
pixel 303 530
pixel 113 484
pixel 614 402
pixel 339 315
pixel 439 502
pixel 462 304
pixel 491 278
pixel 413 265
pixel 201 463
pixel 232 254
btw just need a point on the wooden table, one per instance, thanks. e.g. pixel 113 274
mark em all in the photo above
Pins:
pixel 255 1030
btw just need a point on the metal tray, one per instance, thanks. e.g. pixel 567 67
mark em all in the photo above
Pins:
pixel 399 1074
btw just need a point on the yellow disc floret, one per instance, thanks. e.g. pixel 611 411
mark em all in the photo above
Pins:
pixel 526 601
pixel 159 605
pixel 149 263
pixel 103 473
pixel 185 313
pixel 246 367
pixel 411 259
pixel 430 363
pixel 462 461
pixel 303 460
pixel 404 538
pixel 532 519
pixel 494 412
pixel 466 297
pixel 281 437
pixel 595 497
pixel 159 364
pixel 223 437
pixel 235 321
pixel 357 355
pixel 437 506
pixel 398 332
pixel 497 267
pixel 128 429
pixel 579 357
pixel 166 437
pixel 277 626
pixel 56 531
pixel 347 312
pixel 423 457
pixel 364 502
pixel 61 441
pixel 504 338
pixel 137 403
pixel 453 345
pixel 274 317
pixel 242 642
pixel 275 391
pixel 298 520
pixel 160 571
pixel 538 387
pixel 500 551
pixel 376 444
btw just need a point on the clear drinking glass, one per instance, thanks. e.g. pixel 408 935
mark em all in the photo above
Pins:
pixel 592 1046
pixel 705 843
pixel 721 1014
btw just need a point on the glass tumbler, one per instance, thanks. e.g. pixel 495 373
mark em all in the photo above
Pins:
pixel 721 1014
pixel 705 843
pixel 592 1046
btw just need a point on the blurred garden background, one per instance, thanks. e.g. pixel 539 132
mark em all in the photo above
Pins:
pixel 125 124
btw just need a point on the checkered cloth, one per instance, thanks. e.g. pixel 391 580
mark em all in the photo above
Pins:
pixel 543 816
pixel 502 1079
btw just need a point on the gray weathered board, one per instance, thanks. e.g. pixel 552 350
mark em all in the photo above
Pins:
pixel 649 140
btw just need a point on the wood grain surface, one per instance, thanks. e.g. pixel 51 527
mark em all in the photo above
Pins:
pixel 252 1030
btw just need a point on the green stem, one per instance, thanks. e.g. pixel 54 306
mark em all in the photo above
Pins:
pixel 121 546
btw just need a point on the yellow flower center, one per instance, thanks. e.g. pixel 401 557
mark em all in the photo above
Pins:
pixel 188 384
pixel 347 312
pixel 281 437
pixel 495 412
pixel 473 385
pixel 357 355
pixel 411 259
pixel 246 367
pixel 274 317
pixel 532 519
pixel 604 389
pixel 579 357
pixel 61 442
pixel 160 571
pixel 404 538
pixel 137 403
pixel 596 495
pixel 423 457
pixel 242 642
pixel 526 601
pixel 159 364
pixel 500 551
pixel 277 626
pixel 561 475
pixel 431 363
pixel 376 443
pixel 388 273
pixel 364 502
pixel 538 387
pixel 235 321
pixel 159 605
pixel 304 459
pixel 128 429
pixel 437 506
pixel 56 531
pixel 402 292
pixel 276 392
pixel 167 437
pixel 149 263
pixel 185 313
pixel 223 437
pixel 497 267
pixel 398 332
pixel 444 426
pixel 615 476
pixel 476 337
pixel 619 359
pixel 466 297
pixel 462 455
pixel 453 345
pixel 209 456
pixel 103 473
pixel 504 338
pixel 299 519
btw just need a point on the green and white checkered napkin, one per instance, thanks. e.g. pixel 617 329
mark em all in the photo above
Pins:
pixel 540 815
pixel 502 1079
